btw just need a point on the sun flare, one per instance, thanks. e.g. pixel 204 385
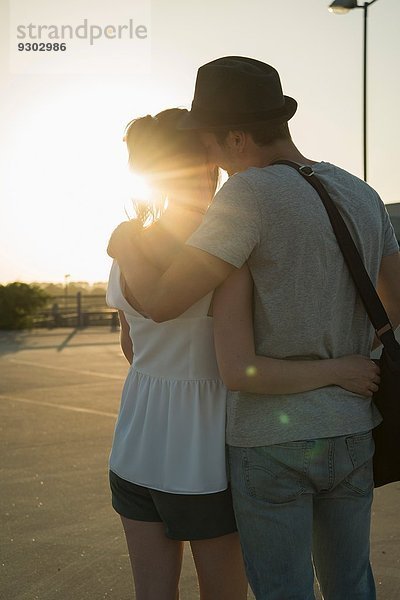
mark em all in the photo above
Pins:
pixel 139 187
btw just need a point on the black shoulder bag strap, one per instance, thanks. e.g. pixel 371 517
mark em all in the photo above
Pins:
pixel 364 285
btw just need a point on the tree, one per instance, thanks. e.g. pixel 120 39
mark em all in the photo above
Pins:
pixel 52 289
pixel 19 302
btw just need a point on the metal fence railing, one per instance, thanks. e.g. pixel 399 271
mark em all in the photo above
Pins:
pixel 78 310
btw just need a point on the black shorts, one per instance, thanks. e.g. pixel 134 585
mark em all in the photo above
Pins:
pixel 185 517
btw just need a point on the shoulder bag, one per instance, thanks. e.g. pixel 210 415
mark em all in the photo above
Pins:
pixel 387 399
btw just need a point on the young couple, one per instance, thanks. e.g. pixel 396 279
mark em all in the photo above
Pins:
pixel 252 281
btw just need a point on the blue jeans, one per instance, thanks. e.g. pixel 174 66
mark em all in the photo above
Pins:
pixel 306 502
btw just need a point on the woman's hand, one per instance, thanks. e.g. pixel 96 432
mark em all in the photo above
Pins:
pixel 356 373
pixel 122 238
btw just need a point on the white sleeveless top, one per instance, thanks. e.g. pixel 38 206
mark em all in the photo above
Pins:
pixel 170 431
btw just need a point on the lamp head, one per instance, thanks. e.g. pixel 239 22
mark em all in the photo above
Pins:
pixel 341 7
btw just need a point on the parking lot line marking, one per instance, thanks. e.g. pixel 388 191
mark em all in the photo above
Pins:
pixel 82 372
pixel 61 406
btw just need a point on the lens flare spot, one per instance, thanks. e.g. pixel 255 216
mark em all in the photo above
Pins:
pixel 284 419
pixel 317 449
pixel 251 371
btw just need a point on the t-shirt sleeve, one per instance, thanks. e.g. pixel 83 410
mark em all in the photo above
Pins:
pixel 231 227
pixel 390 244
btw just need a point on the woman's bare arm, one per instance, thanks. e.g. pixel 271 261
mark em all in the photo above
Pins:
pixel 241 369
pixel 125 338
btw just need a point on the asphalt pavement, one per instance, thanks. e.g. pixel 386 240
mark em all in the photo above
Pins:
pixel 60 538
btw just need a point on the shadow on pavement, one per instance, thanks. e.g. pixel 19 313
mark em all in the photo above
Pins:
pixel 15 341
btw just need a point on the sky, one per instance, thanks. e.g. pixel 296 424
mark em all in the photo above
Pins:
pixel 64 182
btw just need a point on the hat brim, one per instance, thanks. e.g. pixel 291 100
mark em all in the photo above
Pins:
pixel 189 121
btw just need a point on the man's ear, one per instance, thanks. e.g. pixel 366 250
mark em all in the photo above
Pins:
pixel 237 140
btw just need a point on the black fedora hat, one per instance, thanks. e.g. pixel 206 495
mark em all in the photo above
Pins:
pixel 236 91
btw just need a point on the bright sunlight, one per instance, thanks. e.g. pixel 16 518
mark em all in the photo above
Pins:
pixel 68 185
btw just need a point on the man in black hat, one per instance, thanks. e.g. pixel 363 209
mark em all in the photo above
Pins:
pixel 301 464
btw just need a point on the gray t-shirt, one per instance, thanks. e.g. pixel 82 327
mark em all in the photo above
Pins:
pixel 305 302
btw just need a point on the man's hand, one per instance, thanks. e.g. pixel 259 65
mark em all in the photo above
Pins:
pixel 123 238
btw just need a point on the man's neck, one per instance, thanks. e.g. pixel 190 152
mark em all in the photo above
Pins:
pixel 262 156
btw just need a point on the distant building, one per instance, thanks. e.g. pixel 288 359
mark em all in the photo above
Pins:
pixel 394 213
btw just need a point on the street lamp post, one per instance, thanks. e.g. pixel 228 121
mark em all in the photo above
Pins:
pixel 341 7
pixel 66 281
